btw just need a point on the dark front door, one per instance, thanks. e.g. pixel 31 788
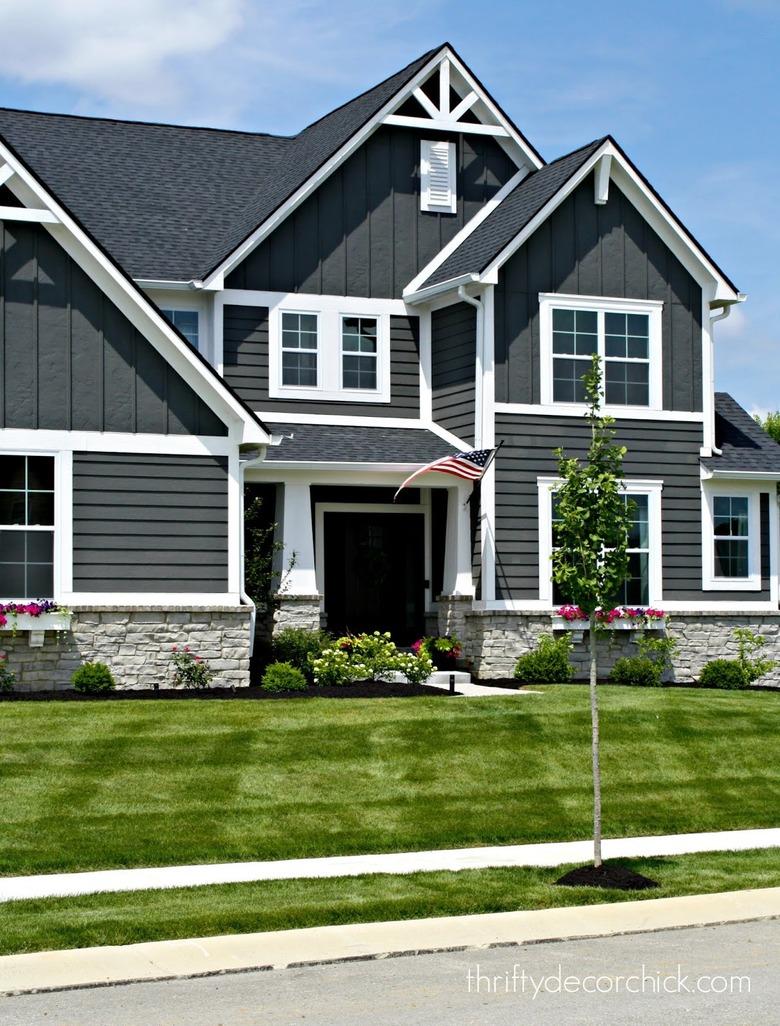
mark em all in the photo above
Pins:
pixel 375 573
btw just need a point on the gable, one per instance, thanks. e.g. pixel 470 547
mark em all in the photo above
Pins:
pixel 72 360
pixel 362 233
pixel 592 250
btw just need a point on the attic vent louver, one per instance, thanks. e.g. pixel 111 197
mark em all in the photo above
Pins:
pixel 438 192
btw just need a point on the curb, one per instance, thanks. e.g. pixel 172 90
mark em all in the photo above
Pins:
pixel 213 956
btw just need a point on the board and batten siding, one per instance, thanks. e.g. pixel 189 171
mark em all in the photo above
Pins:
pixel 150 523
pixel 659 450
pixel 453 368
pixel 362 232
pixel 245 357
pixel 589 250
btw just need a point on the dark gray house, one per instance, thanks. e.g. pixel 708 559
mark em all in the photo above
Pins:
pixel 185 312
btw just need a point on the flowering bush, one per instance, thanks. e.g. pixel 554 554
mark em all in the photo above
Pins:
pixel 7 677
pixel 633 614
pixel 14 609
pixel 189 670
pixel 368 657
pixel 442 651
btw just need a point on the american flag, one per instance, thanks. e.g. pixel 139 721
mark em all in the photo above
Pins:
pixel 470 465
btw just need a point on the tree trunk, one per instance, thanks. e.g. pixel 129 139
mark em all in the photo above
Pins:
pixel 594 719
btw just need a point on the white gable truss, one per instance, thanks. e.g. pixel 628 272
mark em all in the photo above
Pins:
pixel 441 117
pixel 610 164
pixel 41 207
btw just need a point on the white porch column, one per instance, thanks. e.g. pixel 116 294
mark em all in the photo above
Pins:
pixel 458 579
pixel 298 541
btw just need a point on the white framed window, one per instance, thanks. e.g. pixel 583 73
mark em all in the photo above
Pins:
pixel 644 584
pixel 731 537
pixel 27 517
pixel 329 348
pixel 299 350
pixel 438 176
pixel 186 321
pixel 625 333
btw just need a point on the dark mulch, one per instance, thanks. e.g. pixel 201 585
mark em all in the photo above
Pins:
pixel 363 689
pixel 608 874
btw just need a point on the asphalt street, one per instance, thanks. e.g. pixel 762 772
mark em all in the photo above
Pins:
pixel 713 975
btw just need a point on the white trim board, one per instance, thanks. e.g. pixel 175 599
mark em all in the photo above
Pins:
pixel 578 411
pixel 42 440
pixel 523 154
pixel 134 304
pixel 752 492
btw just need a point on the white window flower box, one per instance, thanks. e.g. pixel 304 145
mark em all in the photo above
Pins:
pixel 36 626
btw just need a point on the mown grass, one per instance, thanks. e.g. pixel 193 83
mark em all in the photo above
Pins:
pixel 129 918
pixel 87 786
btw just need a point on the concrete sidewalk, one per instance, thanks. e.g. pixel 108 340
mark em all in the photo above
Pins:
pixel 205 956
pixel 553 854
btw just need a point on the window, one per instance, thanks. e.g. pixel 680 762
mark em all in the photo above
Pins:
pixel 186 321
pixel 643 584
pixel 626 334
pixel 359 352
pixel 438 187
pixel 732 535
pixel 299 350
pixel 26 527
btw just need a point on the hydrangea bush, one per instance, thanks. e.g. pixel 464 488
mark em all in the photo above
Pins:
pixel 368 657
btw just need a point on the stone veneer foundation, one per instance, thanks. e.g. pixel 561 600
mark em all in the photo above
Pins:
pixel 493 640
pixel 296 611
pixel 135 642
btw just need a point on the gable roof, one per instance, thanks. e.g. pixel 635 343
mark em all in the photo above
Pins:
pixel 745 445
pixel 352 443
pixel 510 216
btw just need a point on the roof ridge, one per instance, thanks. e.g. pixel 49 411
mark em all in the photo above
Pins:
pixel 147 124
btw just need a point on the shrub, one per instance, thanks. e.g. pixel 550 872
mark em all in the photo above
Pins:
pixel 368 657
pixel 7 677
pixel 416 668
pixel 189 670
pixel 747 643
pixel 548 663
pixel 93 679
pixel 723 673
pixel 335 668
pixel 283 677
pixel 636 670
pixel 300 647
pixel 443 651
pixel 376 653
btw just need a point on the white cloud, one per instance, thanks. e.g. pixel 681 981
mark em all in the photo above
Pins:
pixel 116 51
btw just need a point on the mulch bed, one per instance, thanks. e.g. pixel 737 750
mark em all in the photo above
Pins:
pixel 610 875
pixel 362 689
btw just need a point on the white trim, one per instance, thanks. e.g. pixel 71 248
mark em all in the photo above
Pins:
pixel 364 466
pixel 422 509
pixel 650 487
pixel 578 410
pixel 652 309
pixel 708 474
pixel 447 204
pixel 410 292
pixel 165 284
pixel 752 492
pixel 201 303
pixel 27 214
pixel 488 485
pixel 707 370
pixel 42 440
pixel 135 305
pixel 146 599
pixel 60 524
pixel 6 173
pixel 522 154
pixel 63 520
pixel 426 366
pixel 234 524
pixel 309 302
pixel 601 180
pixel 736 609
pixel 445 125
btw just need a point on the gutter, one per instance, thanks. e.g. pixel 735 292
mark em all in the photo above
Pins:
pixel 431 291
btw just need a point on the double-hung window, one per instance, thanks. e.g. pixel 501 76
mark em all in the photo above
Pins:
pixel 26 527
pixel 731 533
pixel 299 350
pixel 359 352
pixel 643 583
pixel 625 334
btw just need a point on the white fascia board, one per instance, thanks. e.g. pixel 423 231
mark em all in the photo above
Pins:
pixel 27 214
pixel 216 278
pixel 164 283
pixel 423 295
pixel 136 306
pixel 463 234
pixel 739 475
pixel 578 411
pixel 6 173
pixel 44 440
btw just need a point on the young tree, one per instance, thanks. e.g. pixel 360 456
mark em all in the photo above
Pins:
pixel 591 535
pixel 770 424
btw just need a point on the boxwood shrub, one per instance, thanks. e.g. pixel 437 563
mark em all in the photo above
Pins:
pixel 723 673
pixel 283 677
pixel 638 669
pixel 299 647
pixel 93 679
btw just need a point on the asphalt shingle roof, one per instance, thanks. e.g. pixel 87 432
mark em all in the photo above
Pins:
pixel 326 443
pixel 509 218
pixel 170 202
pixel 746 446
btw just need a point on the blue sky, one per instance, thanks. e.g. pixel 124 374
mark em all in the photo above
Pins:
pixel 689 88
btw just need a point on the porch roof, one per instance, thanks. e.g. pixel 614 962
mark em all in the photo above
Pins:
pixel 745 445
pixel 353 443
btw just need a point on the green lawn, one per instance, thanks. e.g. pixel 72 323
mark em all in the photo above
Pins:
pixel 89 786
pixel 282 905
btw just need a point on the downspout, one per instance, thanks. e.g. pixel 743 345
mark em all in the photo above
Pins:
pixel 253 455
pixel 480 361
pixel 725 311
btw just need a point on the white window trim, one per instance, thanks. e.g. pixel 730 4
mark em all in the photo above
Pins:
pixel 752 493
pixel 631 486
pixel 652 308
pixel 426 203
pixel 330 311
